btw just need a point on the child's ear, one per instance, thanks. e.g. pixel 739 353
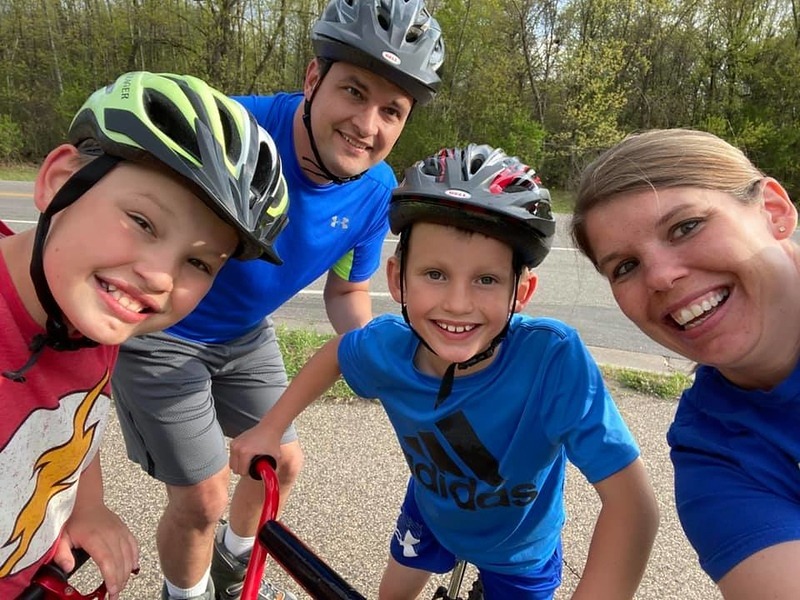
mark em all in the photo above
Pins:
pixel 393 277
pixel 527 285
pixel 57 168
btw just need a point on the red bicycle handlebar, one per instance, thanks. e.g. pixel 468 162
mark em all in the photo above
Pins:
pixel 297 559
pixel 50 583
pixel 263 468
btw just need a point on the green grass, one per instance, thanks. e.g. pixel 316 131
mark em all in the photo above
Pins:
pixel 297 346
pixel 666 387
pixel 17 172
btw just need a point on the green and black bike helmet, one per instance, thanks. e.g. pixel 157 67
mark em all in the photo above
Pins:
pixel 191 128
pixel 201 134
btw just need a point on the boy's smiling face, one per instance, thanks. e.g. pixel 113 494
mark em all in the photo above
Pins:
pixel 458 292
pixel 135 254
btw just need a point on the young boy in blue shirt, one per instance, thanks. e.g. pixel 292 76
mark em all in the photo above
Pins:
pixel 488 405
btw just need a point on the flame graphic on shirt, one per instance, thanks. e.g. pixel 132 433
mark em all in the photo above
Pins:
pixel 54 472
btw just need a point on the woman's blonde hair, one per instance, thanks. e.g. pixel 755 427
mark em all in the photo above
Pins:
pixel 663 158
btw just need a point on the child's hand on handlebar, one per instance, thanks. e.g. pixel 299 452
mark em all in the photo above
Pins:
pixel 107 540
pixel 261 439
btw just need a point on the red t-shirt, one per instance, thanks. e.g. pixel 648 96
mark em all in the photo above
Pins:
pixel 50 430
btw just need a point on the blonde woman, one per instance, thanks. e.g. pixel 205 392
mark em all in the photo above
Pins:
pixel 696 244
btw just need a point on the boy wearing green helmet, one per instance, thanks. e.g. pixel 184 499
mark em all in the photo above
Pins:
pixel 139 212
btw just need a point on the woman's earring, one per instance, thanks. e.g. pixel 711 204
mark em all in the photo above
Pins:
pixel 782 229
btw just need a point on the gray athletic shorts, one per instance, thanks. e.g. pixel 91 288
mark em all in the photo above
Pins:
pixel 177 400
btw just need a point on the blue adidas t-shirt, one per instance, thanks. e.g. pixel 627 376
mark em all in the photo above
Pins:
pixel 736 455
pixel 339 227
pixel 489 463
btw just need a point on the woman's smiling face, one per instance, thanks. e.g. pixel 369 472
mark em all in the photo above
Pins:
pixel 703 273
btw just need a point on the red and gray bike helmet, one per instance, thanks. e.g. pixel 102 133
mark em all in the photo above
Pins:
pixel 479 188
pixel 397 39
pixel 191 128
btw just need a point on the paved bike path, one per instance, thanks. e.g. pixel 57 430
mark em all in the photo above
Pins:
pixel 346 500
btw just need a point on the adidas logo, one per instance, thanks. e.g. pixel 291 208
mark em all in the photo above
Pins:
pixel 451 462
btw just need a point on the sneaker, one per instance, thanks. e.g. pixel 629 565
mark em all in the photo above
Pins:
pixel 228 573
pixel 207 595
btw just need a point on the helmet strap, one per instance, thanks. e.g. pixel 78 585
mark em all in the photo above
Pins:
pixel 319 169
pixel 57 334
pixel 449 375
pixel 446 386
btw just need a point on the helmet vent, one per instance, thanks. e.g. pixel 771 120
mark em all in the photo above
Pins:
pixel 384 20
pixel 540 209
pixel 261 173
pixel 431 166
pixel 167 118
pixel 475 164
pixel 414 33
pixel 233 143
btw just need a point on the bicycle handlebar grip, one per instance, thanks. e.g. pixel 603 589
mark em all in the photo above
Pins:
pixel 36 592
pixel 259 463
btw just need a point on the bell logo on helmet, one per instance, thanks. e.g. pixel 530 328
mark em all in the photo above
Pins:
pixel 390 57
pixel 458 194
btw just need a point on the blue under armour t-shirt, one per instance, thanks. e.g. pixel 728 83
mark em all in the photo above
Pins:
pixel 340 227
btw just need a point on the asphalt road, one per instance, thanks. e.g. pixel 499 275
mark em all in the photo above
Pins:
pixel 346 500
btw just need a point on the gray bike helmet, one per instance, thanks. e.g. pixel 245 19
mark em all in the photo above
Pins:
pixel 397 39
pixel 204 136
pixel 481 189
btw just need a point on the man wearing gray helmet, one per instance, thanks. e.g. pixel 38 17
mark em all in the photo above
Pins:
pixel 215 374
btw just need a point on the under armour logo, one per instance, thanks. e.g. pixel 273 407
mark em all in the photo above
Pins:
pixel 408 541
pixel 343 222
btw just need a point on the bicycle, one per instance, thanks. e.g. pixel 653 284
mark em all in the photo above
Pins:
pixel 52 583
pixel 313 574
pixel 308 570
pixel 454 587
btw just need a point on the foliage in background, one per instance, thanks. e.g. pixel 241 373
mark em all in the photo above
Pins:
pixel 552 81
pixel 10 138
